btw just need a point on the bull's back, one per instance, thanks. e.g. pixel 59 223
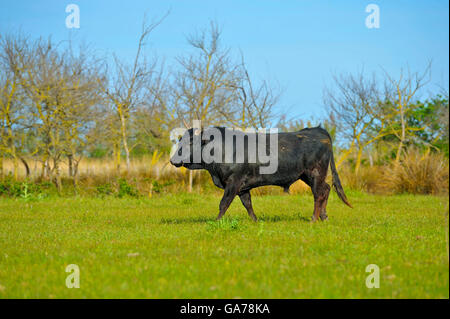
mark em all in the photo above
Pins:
pixel 302 147
pixel 297 152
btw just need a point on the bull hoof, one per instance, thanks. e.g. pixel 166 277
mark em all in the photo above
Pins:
pixel 313 219
pixel 324 218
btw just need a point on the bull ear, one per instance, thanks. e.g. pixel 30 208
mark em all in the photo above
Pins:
pixel 197 132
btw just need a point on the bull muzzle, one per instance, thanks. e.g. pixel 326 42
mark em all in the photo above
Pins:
pixel 176 164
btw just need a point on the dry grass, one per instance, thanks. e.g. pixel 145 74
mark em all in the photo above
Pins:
pixel 368 179
pixel 100 167
pixel 418 173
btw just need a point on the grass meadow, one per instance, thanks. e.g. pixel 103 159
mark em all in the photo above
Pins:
pixel 170 246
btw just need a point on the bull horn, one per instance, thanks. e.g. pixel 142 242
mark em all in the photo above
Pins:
pixel 185 124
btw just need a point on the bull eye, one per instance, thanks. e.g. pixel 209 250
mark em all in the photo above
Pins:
pixel 179 152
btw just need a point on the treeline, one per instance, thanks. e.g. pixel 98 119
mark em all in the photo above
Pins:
pixel 60 104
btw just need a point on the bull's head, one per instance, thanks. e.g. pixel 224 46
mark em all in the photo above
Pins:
pixel 188 150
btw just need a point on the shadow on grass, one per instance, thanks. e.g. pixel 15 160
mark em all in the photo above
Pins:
pixel 262 218
pixel 281 218
pixel 187 220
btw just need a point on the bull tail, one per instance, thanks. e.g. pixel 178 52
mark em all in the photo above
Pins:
pixel 337 182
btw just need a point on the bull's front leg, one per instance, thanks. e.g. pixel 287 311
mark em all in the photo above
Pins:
pixel 230 193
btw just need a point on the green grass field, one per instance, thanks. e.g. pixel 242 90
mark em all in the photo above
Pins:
pixel 170 247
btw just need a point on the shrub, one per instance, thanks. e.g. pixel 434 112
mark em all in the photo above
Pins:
pixel 9 187
pixel 418 173
pixel 126 189
pixel 23 189
pixel 105 189
pixel 158 187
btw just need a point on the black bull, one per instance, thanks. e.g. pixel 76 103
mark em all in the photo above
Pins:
pixel 304 155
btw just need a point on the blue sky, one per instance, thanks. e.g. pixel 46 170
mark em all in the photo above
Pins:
pixel 298 44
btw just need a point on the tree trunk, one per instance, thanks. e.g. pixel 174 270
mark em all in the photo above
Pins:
pixel 25 164
pixel 57 177
pixel 399 152
pixel 191 177
pixel 70 160
pixel 157 172
pixel 345 155
pixel 45 173
pixel 2 174
pixel 16 167
pixel 124 141
pixel 402 138
pixel 43 170
pixel 358 160
pixel 116 155
pixel 13 151
pixel 75 176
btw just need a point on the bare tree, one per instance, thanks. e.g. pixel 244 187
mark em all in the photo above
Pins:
pixel 206 86
pixel 34 64
pixel 257 101
pixel 12 112
pixel 402 92
pixel 79 100
pixel 128 86
pixel 357 107
pixel 60 88
pixel 9 118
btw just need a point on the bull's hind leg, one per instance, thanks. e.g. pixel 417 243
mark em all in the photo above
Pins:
pixel 316 212
pixel 323 209
pixel 320 194
pixel 320 190
pixel 247 202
